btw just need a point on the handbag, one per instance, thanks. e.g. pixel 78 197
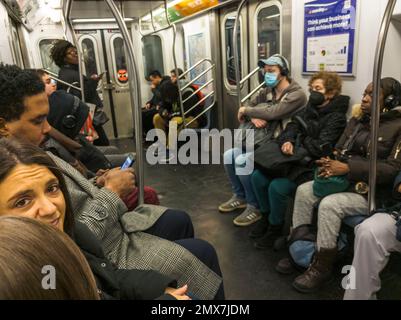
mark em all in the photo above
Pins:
pixel 323 187
pixel 100 117
pixel 91 156
pixel 270 159
pixel 244 131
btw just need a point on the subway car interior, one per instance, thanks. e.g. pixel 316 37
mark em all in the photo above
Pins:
pixel 227 53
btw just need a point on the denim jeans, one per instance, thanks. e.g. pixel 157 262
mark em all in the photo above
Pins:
pixel 241 184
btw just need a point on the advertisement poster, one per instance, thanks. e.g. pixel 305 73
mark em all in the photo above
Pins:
pixel 329 36
pixel 197 51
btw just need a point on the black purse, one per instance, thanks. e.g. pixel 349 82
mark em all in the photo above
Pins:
pixel 271 161
pixel 91 156
pixel 100 118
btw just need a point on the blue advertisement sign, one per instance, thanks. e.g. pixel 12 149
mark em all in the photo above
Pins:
pixel 329 36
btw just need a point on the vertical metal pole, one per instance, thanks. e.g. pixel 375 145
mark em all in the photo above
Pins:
pixel 236 55
pixel 375 111
pixel 135 96
pixel 68 22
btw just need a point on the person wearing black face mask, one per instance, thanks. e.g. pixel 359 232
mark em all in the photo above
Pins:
pixel 315 129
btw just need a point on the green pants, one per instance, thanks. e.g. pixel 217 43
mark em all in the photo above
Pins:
pixel 273 195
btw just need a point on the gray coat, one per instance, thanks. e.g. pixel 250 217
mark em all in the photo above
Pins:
pixel 119 231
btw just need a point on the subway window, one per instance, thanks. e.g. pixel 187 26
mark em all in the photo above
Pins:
pixel 269 32
pixel 45 46
pixel 152 54
pixel 229 50
pixel 120 62
pixel 89 53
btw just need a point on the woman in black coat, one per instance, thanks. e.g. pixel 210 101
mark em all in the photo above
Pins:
pixel 65 56
pixel 316 129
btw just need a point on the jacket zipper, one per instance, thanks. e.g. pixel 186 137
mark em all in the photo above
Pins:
pixel 397 151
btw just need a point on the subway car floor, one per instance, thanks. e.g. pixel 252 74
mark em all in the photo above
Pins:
pixel 249 273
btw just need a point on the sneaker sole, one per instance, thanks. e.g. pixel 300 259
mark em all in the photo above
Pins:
pixel 223 210
pixel 245 224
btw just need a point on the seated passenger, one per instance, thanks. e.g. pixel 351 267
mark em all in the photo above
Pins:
pixel 26 247
pixel 352 154
pixel 375 239
pixel 173 76
pixel 152 106
pixel 65 56
pixel 32 186
pixel 62 144
pixel 170 111
pixel 131 239
pixel 325 118
pixel 270 110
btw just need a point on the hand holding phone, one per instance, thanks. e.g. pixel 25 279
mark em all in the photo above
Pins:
pixel 128 162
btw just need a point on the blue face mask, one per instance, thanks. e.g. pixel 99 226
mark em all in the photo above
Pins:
pixel 271 79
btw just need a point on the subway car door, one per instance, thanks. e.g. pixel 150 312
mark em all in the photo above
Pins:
pixel 103 52
pixel 230 98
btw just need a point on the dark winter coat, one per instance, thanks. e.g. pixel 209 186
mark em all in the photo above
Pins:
pixel 324 127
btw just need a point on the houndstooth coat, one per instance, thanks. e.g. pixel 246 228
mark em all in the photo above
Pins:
pixel 123 242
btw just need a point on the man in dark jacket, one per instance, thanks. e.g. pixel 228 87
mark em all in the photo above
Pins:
pixel 352 163
pixel 152 106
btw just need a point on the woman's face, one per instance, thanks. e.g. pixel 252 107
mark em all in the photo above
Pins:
pixel 71 56
pixel 33 191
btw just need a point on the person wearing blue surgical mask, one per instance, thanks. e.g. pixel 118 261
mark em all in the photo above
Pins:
pixel 268 114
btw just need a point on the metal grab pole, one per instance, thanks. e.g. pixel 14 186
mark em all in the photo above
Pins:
pixel 134 93
pixel 236 55
pixel 75 41
pixel 375 111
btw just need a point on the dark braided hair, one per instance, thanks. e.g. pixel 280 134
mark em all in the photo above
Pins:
pixel 59 50
pixel 15 85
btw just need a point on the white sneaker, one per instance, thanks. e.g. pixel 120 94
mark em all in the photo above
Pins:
pixel 248 217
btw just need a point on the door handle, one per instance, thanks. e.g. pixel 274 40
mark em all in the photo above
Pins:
pixel 109 86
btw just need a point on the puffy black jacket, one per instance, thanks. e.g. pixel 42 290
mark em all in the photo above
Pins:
pixel 157 97
pixel 70 73
pixel 120 283
pixel 316 130
pixel 323 126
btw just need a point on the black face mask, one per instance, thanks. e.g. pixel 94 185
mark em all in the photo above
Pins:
pixel 316 98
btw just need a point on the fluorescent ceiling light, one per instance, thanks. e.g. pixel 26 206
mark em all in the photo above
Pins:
pixel 99 20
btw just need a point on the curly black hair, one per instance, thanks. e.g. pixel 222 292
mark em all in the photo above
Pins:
pixel 59 50
pixel 15 85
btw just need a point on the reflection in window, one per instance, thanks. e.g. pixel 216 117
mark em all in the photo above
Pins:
pixel 268 32
pixel 89 53
pixel 45 46
pixel 152 54
pixel 229 30
pixel 120 60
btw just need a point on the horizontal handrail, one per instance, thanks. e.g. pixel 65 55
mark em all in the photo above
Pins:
pixel 53 76
pixel 249 75
pixel 199 89
pixel 197 77
pixel 202 113
pixel 253 92
pixel 198 103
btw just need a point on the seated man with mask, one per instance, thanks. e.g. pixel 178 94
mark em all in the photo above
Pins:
pixel 269 113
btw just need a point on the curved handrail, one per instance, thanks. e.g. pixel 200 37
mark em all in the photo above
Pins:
pixel 134 93
pixel 169 25
pixel 236 56
pixel 54 76
pixel 375 113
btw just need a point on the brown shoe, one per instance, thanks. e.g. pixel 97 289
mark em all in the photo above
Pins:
pixel 319 272
pixel 285 266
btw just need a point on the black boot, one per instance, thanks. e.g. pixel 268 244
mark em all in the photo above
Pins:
pixel 267 241
pixel 260 228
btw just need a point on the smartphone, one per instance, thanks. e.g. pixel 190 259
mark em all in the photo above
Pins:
pixel 128 162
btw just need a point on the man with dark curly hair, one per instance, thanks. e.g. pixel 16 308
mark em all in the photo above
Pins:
pixel 65 55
